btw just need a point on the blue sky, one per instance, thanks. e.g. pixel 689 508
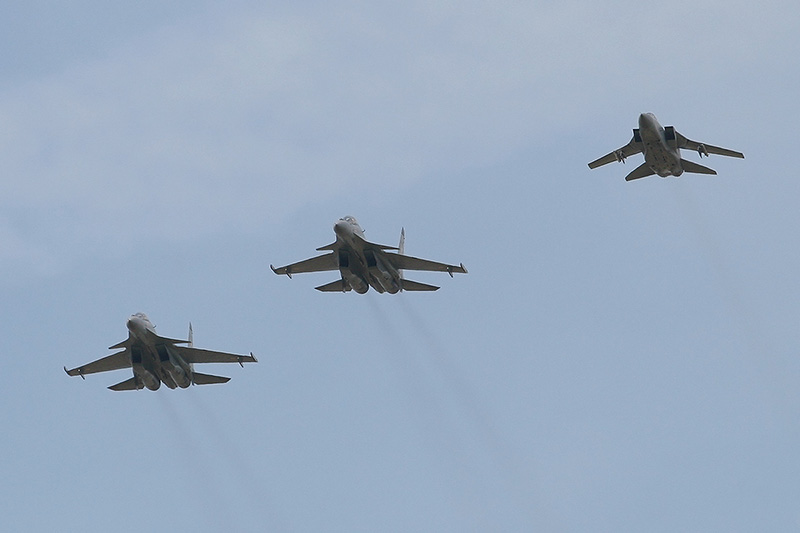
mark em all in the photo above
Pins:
pixel 621 356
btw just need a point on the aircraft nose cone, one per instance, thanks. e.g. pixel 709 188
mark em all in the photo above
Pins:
pixel 645 120
pixel 341 228
pixel 135 325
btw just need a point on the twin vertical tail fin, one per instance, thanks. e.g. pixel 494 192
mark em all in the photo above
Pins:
pixel 401 248
pixel 204 379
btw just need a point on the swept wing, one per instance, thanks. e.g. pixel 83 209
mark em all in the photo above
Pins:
pixel 705 149
pixel 406 262
pixel 110 362
pixel 632 148
pixel 196 355
pixel 321 263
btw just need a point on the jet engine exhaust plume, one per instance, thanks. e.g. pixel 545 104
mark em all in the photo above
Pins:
pixel 515 473
pixel 244 473
pixel 205 486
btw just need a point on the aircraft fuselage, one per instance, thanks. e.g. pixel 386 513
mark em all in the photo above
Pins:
pixel 362 266
pixel 152 359
pixel 662 157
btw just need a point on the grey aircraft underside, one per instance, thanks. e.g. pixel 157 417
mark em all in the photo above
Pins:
pixel 156 360
pixel 661 147
pixel 363 264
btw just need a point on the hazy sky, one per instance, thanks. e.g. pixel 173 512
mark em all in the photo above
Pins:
pixel 620 357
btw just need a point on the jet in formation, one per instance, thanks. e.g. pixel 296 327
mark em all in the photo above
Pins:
pixel 661 147
pixel 156 360
pixel 363 264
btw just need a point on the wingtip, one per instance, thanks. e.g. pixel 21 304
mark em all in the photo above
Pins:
pixel 254 357
pixel 75 372
pixel 288 274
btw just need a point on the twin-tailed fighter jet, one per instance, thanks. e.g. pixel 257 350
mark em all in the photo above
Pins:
pixel 661 147
pixel 363 264
pixel 156 360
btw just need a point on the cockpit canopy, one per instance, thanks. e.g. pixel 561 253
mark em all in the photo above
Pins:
pixel 142 316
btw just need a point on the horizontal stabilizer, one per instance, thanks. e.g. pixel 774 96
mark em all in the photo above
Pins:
pixel 408 285
pixel 334 286
pixel 691 166
pixel 207 379
pixel 128 384
pixel 642 171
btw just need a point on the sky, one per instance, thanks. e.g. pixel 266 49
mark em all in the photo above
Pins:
pixel 620 356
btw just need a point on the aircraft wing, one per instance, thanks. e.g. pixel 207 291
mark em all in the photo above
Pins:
pixel 406 262
pixel 705 149
pixel 196 355
pixel 111 362
pixel 632 148
pixel 321 263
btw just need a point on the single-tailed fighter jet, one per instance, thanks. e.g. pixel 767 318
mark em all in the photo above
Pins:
pixel 363 264
pixel 156 360
pixel 661 147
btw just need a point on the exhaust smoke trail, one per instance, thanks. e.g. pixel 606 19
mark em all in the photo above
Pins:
pixel 436 428
pixel 241 471
pixel 407 364
pixel 201 481
pixel 521 485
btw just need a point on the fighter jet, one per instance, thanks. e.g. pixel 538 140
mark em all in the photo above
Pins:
pixel 364 264
pixel 156 360
pixel 661 147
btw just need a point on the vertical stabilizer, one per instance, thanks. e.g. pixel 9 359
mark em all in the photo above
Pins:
pixel 191 336
pixel 401 248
